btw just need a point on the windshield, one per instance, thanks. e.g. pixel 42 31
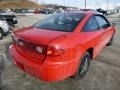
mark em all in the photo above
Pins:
pixel 60 22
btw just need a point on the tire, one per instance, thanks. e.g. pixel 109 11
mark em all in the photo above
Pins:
pixel 1 34
pixel 111 41
pixel 83 66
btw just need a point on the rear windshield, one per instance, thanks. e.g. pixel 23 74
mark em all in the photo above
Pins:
pixel 60 22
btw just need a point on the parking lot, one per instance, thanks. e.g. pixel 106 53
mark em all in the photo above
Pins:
pixel 104 71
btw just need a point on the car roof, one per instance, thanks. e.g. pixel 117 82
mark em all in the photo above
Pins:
pixel 85 12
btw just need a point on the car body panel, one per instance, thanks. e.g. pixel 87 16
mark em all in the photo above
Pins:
pixel 4 26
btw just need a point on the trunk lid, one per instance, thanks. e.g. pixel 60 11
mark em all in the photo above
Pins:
pixel 39 36
pixel 28 39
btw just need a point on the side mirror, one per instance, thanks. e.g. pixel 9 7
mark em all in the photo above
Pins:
pixel 112 24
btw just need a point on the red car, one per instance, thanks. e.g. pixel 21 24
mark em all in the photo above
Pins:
pixel 61 45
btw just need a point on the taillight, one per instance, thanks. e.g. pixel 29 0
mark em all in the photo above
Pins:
pixel 53 51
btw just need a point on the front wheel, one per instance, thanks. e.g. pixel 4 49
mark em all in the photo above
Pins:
pixel 83 67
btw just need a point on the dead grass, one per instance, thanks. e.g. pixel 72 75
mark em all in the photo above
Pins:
pixel 19 4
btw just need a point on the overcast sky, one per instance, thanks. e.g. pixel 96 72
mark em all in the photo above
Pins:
pixel 77 3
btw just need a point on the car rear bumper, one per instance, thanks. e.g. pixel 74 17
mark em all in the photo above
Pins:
pixel 44 71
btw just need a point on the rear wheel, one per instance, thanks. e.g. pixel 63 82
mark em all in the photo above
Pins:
pixel 111 41
pixel 83 67
pixel 1 34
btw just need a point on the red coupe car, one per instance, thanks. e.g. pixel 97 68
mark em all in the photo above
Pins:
pixel 61 45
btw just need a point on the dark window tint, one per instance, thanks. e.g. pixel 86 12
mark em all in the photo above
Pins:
pixel 60 22
pixel 101 21
pixel 91 25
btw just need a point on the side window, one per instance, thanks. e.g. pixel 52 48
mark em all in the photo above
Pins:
pixel 101 21
pixel 91 25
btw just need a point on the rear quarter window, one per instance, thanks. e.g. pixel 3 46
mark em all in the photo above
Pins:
pixel 91 25
pixel 102 21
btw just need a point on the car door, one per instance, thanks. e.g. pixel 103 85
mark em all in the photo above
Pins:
pixel 91 29
pixel 106 29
